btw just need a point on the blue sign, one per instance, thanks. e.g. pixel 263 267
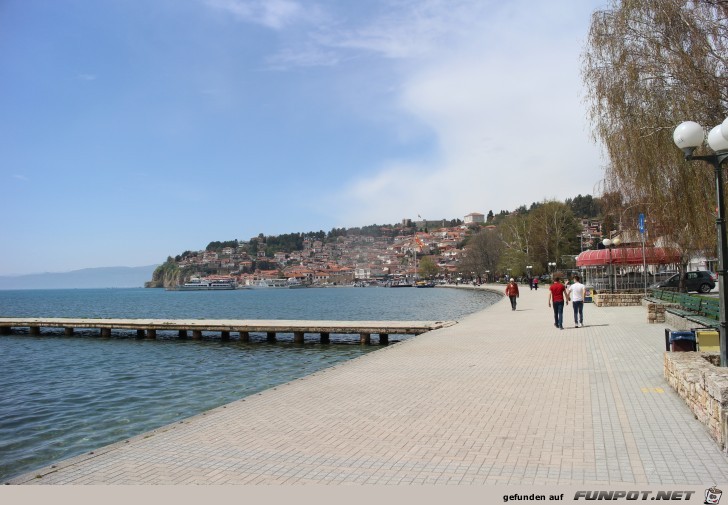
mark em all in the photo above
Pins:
pixel 642 223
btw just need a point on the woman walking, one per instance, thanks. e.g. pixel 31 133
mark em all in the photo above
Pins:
pixel 512 292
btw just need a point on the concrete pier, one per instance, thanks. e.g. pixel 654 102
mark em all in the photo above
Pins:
pixel 146 328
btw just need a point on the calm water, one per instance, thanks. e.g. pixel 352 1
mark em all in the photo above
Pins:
pixel 62 396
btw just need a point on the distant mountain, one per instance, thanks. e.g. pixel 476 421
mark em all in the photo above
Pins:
pixel 105 277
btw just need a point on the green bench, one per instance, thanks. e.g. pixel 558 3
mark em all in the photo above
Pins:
pixel 708 313
pixel 688 305
pixel 710 307
pixel 665 296
pixel 661 296
pixel 704 311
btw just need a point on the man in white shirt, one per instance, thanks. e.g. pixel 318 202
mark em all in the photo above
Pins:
pixel 576 293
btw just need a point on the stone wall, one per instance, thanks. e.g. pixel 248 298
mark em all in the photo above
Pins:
pixel 617 299
pixel 703 386
pixel 655 312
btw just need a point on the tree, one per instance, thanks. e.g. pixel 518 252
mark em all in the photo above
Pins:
pixel 482 253
pixel 555 232
pixel 515 231
pixel 428 268
pixel 647 67
pixel 584 206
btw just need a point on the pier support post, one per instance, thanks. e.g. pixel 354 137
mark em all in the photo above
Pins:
pixel 105 332
pixel 196 334
pixel 68 331
pixel 5 330
pixel 325 339
pixel 270 336
pixel 298 337
pixel 141 334
pixel 244 336
pixel 34 330
pixel 383 339
pixel 182 333
pixel 225 336
pixel 365 338
pixel 151 334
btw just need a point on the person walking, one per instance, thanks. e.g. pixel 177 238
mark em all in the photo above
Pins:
pixel 576 294
pixel 535 283
pixel 512 292
pixel 558 295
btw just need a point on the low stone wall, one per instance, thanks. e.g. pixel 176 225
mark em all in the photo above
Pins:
pixel 704 387
pixel 655 312
pixel 617 299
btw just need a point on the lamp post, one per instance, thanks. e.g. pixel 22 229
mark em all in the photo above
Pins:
pixel 615 244
pixel 688 136
pixel 607 243
pixel 552 266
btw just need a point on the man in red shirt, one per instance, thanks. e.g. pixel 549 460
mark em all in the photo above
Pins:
pixel 512 292
pixel 557 294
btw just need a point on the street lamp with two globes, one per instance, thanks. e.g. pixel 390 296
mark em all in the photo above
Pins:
pixel 688 136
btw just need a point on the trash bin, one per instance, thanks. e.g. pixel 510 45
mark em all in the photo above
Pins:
pixel 708 340
pixel 680 341
pixel 588 292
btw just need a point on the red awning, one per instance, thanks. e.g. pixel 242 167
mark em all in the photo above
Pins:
pixel 627 256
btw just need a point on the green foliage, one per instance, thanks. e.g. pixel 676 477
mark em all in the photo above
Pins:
pixel 584 206
pixel 288 242
pixel 428 268
pixel 219 246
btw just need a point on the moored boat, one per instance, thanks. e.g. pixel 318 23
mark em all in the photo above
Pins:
pixel 197 284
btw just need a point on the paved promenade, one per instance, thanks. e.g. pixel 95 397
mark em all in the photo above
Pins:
pixel 502 398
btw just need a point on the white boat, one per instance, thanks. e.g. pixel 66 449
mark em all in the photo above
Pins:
pixel 197 284
pixel 294 283
pixel 271 283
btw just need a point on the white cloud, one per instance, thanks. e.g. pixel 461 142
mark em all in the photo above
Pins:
pixel 274 14
pixel 311 57
pixel 501 94
pixel 496 84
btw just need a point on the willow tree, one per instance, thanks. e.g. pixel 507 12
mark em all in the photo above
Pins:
pixel 648 66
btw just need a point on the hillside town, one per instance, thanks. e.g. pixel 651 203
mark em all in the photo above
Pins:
pixel 394 253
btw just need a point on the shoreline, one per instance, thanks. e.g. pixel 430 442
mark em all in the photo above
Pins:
pixel 501 398
pixel 143 433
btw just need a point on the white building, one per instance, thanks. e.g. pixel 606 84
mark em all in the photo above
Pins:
pixel 474 217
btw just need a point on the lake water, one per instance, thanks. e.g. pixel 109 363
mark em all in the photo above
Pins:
pixel 62 396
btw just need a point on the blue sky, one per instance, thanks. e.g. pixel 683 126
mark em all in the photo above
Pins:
pixel 133 130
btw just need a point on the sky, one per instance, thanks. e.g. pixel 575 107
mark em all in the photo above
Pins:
pixel 134 130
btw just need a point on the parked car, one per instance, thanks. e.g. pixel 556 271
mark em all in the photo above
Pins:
pixel 701 281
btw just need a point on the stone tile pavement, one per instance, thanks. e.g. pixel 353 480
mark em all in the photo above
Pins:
pixel 502 398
